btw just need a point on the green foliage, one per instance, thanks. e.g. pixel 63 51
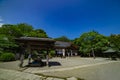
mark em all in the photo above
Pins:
pixel 38 33
pixel 90 40
pixel 7 57
pixel 36 54
pixel 86 41
pixel 24 28
pixel 52 53
pixel 10 30
pixel 1 50
pixel 62 38
pixel 115 42
pixel 6 43
pixel 20 30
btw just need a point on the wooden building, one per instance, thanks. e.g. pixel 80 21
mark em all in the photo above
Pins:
pixel 33 43
pixel 65 48
pixel 47 44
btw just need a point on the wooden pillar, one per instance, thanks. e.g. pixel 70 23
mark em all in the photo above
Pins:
pixel 29 58
pixel 68 53
pixel 47 58
pixel 21 60
pixel 71 52
pixel 22 52
pixel 29 53
pixel 63 51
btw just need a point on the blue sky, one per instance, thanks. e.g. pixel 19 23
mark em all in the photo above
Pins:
pixel 70 18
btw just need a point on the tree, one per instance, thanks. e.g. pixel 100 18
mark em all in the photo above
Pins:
pixel 114 41
pixel 24 28
pixel 38 33
pixel 10 30
pixel 8 33
pixel 91 42
pixel 6 44
pixel 20 30
pixel 63 38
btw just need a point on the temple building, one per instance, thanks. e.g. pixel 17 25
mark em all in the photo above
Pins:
pixel 66 49
pixel 61 48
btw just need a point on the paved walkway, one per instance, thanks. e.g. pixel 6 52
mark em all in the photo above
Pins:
pixel 49 70
pixel 107 71
pixel 16 75
pixel 67 67
pixel 57 63
pixel 6 74
pixel 68 64
pixel 13 65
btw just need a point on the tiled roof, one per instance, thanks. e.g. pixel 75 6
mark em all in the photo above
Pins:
pixel 62 44
pixel 35 38
pixel 110 50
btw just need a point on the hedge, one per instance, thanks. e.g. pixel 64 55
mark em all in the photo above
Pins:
pixel 7 57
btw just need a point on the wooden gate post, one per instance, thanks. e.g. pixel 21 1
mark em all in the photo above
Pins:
pixel 47 58
pixel 29 53
pixel 22 53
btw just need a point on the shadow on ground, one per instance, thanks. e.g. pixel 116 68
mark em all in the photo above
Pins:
pixel 54 63
pixel 42 64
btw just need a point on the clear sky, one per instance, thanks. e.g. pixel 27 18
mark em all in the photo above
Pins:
pixel 64 17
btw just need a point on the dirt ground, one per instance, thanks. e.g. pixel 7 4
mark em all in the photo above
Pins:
pixel 85 68
pixel 110 71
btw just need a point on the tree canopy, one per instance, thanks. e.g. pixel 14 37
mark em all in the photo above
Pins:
pixel 22 29
pixel 91 40
pixel 114 41
pixel 63 38
pixel 10 31
pixel 87 42
pixel 6 44
pixel 38 33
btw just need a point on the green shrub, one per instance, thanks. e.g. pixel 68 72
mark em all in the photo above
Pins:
pixel 7 57
pixel 52 53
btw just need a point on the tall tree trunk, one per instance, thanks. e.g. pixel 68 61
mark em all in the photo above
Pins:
pixel 93 53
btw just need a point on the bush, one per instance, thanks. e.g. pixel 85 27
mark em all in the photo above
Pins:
pixel 7 57
pixel 52 54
